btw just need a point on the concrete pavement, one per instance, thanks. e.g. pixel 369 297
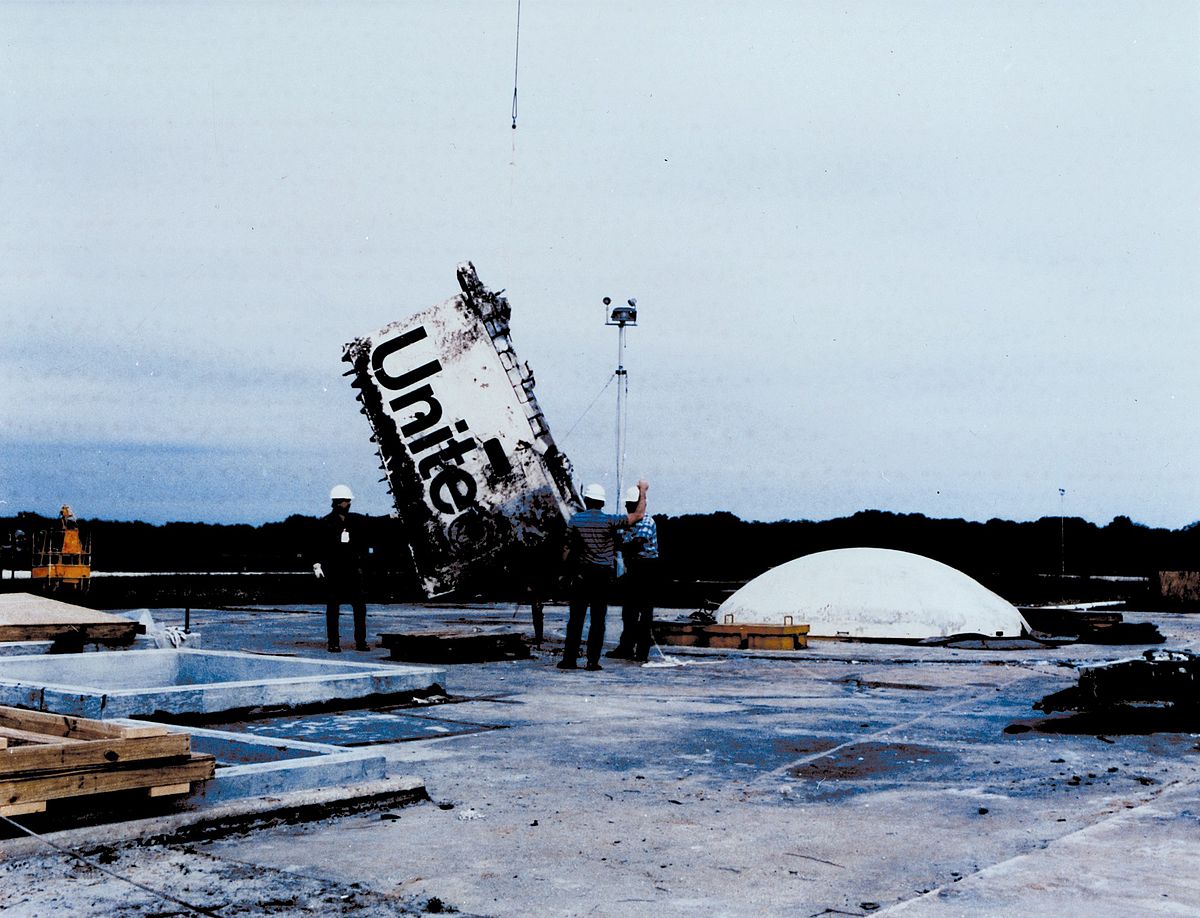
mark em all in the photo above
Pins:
pixel 846 779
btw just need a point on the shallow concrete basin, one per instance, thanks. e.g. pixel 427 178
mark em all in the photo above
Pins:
pixel 140 683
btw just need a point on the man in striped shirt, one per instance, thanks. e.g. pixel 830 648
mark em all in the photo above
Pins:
pixel 592 559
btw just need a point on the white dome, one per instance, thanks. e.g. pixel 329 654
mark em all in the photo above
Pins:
pixel 872 593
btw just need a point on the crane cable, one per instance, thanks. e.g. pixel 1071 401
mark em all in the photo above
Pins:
pixel 512 162
pixel 516 62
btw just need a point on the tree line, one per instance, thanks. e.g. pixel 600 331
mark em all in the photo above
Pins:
pixel 711 547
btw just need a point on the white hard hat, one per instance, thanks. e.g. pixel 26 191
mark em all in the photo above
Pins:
pixel 340 492
pixel 632 495
pixel 595 492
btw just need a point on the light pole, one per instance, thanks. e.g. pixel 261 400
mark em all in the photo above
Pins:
pixel 621 317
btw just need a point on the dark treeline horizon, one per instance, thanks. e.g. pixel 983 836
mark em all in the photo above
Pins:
pixel 695 547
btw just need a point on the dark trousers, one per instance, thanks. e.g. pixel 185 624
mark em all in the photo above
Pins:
pixel 590 591
pixel 345 587
pixel 624 646
pixel 637 615
pixel 537 605
pixel 536 592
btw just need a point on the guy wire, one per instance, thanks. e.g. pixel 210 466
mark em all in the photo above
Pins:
pixel 588 408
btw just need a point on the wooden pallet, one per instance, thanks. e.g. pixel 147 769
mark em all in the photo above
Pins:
pixel 733 637
pixel 46 757
pixel 456 646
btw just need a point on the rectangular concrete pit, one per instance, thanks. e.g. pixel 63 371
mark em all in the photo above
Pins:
pixel 163 682
pixel 254 766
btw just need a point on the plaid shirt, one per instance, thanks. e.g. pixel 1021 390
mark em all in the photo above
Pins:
pixel 642 529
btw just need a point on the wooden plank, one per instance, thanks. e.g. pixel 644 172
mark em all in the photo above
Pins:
pixel 77 727
pixel 23 809
pixel 757 628
pixel 88 633
pixel 758 641
pixel 726 640
pixel 30 737
pixel 72 754
pixel 102 780
pixel 168 790
pixel 130 732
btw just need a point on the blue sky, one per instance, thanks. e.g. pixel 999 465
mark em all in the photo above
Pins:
pixel 921 257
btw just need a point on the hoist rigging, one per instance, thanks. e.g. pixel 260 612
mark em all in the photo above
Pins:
pixel 516 63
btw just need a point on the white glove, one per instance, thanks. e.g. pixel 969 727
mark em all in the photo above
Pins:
pixel 317 570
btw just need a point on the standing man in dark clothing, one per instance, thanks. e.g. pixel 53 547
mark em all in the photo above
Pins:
pixel 540 571
pixel 639 546
pixel 534 570
pixel 591 557
pixel 341 555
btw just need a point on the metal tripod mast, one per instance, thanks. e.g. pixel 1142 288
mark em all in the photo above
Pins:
pixel 622 317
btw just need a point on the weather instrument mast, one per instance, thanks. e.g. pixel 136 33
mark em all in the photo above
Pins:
pixel 621 317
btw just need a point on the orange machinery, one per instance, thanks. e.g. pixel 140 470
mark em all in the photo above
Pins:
pixel 62 556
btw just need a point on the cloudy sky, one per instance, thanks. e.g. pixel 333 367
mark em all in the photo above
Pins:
pixel 936 257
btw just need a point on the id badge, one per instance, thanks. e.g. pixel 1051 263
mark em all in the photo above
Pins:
pixel 345 536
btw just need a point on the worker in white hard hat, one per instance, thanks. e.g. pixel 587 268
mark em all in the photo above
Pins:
pixel 591 557
pixel 638 545
pixel 342 555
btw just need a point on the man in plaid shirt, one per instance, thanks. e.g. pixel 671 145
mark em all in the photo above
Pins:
pixel 639 545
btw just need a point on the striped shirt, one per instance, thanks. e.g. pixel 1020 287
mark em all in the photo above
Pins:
pixel 645 530
pixel 593 535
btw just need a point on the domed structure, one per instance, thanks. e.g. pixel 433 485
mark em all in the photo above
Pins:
pixel 872 593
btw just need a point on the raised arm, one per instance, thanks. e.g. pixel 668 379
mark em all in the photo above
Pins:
pixel 640 510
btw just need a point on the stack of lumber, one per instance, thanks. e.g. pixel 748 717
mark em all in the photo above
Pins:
pixel 46 757
pixel 25 617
